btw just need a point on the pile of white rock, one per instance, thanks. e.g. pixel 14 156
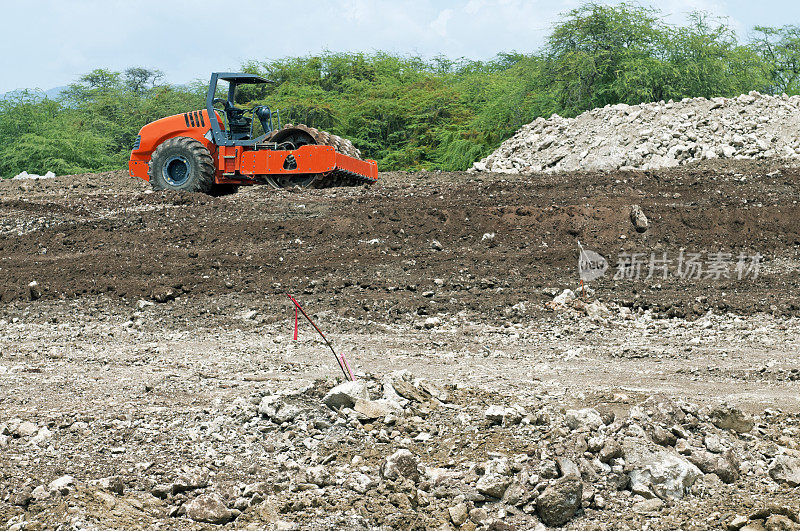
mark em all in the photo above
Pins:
pixel 654 135
pixel 25 175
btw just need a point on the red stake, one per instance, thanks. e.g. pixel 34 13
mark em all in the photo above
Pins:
pixel 348 373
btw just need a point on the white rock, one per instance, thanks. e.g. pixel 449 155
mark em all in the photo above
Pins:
pixel 42 436
pixel 346 394
pixel 659 470
pixel 402 463
pixel 432 322
pixel 276 408
pixel 495 414
pixel 318 475
pixel 565 297
pixel 785 469
pixel 493 484
pixel 360 483
pixel 588 418
pixel 611 138
pixel 61 484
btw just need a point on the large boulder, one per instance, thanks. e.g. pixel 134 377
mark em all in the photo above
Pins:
pixel 724 466
pixel 346 394
pixel 560 501
pixel 658 472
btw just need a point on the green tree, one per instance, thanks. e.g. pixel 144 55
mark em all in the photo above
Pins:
pixel 139 80
pixel 591 50
pixel 780 50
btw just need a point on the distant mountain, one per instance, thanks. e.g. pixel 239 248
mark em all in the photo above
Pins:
pixel 52 93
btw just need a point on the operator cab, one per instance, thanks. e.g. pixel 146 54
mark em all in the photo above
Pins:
pixel 239 130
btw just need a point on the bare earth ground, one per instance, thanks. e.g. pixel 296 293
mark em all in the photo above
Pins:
pixel 163 322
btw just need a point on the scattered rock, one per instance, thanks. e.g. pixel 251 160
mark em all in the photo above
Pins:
pixel 493 484
pixel 62 484
pixel 374 409
pixel 458 514
pixel 737 522
pixel 726 417
pixel 22 497
pixel 724 466
pixel 478 516
pixel 611 450
pixel 319 476
pixel 638 219
pixel 196 478
pixel 779 522
pixel 113 484
pixel 506 416
pixel 516 495
pixel 162 490
pixel 653 505
pixel 34 292
pixel 583 418
pixel 164 294
pixel 786 470
pixel 26 429
pixel 567 467
pixel 40 493
pixel 209 508
pixel 277 409
pixel 402 463
pixel 360 483
pixel 403 384
pixel 560 501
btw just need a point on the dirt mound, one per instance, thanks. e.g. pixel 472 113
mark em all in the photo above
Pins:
pixel 654 135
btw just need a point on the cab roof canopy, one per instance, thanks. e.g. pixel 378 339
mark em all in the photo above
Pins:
pixel 239 78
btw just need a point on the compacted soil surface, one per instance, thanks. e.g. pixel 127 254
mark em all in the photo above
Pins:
pixel 149 378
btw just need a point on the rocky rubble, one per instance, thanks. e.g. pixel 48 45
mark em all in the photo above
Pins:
pixel 654 135
pixel 437 457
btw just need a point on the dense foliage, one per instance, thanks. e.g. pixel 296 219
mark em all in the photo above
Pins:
pixel 410 112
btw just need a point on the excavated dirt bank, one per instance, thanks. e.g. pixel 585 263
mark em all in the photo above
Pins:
pixel 368 252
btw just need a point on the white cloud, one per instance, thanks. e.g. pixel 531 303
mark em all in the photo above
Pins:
pixel 473 6
pixel 356 10
pixel 440 24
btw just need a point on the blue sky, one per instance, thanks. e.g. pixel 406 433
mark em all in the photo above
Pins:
pixel 49 43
